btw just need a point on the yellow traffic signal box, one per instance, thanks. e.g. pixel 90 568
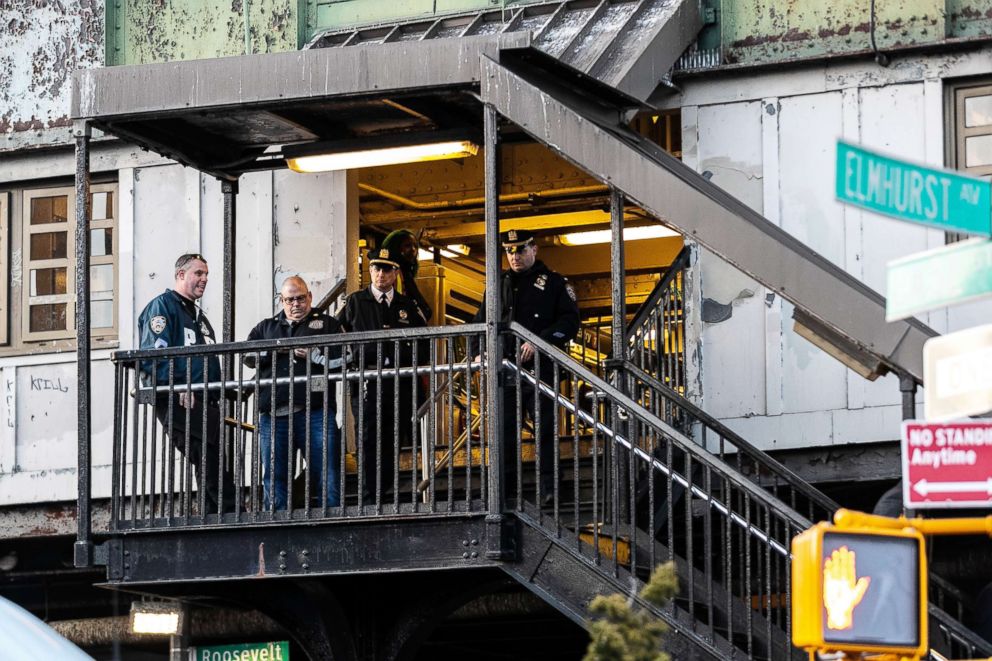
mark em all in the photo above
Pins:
pixel 859 590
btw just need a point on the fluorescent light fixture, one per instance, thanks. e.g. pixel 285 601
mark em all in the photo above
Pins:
pixel 428 256
pixel 375 151
pixel 460 248
pixel 629 234
pixel 156 617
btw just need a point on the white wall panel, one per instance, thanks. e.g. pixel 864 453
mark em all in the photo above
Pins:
pixel 309 229
pixel 729 145
pixel 808 129
pixel 166 225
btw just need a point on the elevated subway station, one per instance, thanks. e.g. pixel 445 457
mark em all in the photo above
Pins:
pixel 659 481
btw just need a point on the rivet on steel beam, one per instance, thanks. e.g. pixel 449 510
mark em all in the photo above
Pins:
pixel 464 542
pixel 282 554
pixel 465 555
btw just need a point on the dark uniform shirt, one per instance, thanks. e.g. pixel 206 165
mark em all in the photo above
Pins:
pixel 172 320
pixel 277 327
pixel 541 301
pixel 362 312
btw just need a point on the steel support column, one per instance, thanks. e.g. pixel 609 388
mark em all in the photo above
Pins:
pixel 617 274
pixel 494 349
pixel 907 386
pixel 230 190
pixel 84 545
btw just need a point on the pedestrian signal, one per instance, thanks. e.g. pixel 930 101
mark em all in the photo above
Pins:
pixel 858 590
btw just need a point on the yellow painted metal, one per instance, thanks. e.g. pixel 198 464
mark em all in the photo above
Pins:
pixel 808 592
pixel 851 519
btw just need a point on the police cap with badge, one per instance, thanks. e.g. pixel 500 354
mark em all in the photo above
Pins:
pixel 383 257
pixel 516 238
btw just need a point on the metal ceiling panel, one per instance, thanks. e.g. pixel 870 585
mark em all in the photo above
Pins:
pixel 173 88
pixel 599 142
pixel 625 44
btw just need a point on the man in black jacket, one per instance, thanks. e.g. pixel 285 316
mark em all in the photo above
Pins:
pixel 379 307
pixel 299 408
pixel 543 302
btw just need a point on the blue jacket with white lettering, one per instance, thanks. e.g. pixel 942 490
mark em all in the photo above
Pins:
pixel 170 320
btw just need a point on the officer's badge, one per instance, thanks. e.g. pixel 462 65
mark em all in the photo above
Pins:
pixel 316 324
pixel 402 315
pixel 384 254
pixel 541 281
pixel 157 324
pixel 512 235
pixel 570 290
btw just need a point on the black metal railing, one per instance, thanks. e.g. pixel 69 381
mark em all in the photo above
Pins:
pixel 248 431
pixel 630 491
pixel 655 338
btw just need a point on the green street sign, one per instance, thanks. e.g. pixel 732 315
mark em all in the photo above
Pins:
pixel 931 196
pixel 276 651
pixel 937 278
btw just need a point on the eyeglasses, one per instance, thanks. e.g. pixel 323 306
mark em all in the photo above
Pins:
pixel 515 250
pixel 290 300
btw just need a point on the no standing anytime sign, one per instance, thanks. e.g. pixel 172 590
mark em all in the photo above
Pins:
pixel 946 465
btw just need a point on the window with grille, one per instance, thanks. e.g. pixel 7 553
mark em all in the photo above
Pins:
pixel 973 130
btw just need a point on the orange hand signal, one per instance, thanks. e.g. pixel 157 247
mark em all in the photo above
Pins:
pixel 842 590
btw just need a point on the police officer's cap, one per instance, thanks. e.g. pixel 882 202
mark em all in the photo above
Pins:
pixel 383 256
pixel 516 238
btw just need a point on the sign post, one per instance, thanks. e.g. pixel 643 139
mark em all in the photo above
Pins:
pixel 946 465
pixel 922 194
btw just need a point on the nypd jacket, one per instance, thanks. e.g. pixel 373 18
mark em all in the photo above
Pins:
pixel 170 320
pixel 541 301
pixel 363 313
pixel 315 323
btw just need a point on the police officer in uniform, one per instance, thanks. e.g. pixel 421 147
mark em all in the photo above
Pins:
pixel 378 307
pixel 543 302
pixel 173 319
pixel 277 414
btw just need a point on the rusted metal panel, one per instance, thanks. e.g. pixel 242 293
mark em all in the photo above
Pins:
pixel 282 77
pixel 163 31
pixel 44 41
pixel 969 18
pixel 758 32
pixel 332 14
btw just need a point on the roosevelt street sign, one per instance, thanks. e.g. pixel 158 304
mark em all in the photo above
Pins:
pixel 946 465
pixel 918 193
pixel 957 369
pixel 937 278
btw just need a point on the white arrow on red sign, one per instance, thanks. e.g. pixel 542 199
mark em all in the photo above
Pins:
pixel 946 464
pixel 925 488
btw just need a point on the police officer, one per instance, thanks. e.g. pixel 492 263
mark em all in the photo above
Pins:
pixel 378 307
pixel 543 302
pixel 173 319
pixel 277 414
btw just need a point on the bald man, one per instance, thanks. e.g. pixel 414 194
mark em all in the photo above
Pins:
pixel 282 408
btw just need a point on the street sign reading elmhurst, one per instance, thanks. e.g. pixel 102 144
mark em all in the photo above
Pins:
pixel 937 278
pixel 957 371
pixel 946 465
pixel 941 198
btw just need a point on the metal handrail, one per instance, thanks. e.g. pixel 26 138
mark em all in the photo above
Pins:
pixel 660 289
pixel 635 410
pixel 328 298
pixel 743 446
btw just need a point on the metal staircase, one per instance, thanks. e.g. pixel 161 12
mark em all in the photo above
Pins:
pixel 647 493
